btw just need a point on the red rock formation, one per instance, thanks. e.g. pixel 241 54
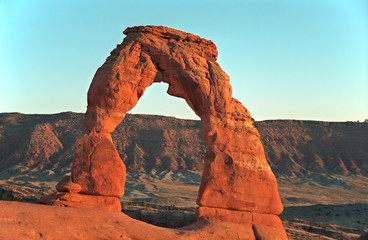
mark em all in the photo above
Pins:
pixel 236 175
pixel 30 221
pixel 262 226
pixel 97 167
pixel 98 176
pixel 68 199
pixel 66 185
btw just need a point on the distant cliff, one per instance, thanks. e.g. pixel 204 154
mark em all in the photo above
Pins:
pixel 303 147
pixel 150 142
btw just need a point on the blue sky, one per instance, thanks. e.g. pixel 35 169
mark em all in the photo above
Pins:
pixel 286 59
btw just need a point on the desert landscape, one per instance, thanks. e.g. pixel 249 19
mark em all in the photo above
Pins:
pixel 321 167
pixel 186 120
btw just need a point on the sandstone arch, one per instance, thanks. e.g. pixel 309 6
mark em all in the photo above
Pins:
pixel 237 184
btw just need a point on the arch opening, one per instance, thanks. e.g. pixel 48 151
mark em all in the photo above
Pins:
pixel 164 162
pixel 237 185
pixel 156 101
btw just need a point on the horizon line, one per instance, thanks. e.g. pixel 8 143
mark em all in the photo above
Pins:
pixel 191 119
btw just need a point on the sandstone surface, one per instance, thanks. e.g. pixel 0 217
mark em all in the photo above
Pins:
pixel 66 185
pixel 236 175
pixel 98 176
pixel 34 221
pixel 262 226
pixel 97 167
pixel 75 200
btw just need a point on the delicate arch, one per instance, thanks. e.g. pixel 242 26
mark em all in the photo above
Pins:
pixel 236 175
pixel 188 64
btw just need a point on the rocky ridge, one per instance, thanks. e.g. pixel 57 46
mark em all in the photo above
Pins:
pixel 149 143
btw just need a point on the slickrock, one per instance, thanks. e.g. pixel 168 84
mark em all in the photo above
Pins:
pixel 34 221
pixel 237 183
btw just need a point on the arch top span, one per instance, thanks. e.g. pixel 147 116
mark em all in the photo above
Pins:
pixel 237 184
pixel 160 54
pixel 209 49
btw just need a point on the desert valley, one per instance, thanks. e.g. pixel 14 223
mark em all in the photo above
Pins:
pixel 321 167
pixel 108 174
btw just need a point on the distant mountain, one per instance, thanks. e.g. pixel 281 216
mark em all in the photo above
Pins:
pixel 150 143
pixel 304 147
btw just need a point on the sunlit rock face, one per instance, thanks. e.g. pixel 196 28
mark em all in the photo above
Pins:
pixel 237 184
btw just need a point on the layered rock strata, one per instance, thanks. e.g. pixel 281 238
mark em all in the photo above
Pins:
pixel 237 184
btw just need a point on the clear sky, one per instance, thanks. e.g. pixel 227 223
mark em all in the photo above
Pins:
pixel 286 59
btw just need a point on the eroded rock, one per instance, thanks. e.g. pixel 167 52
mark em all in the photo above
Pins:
pixel 188 64
pixel 66 185
pixel 262 226
pixel 237 183
pixel 97 167
pixel 64 199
